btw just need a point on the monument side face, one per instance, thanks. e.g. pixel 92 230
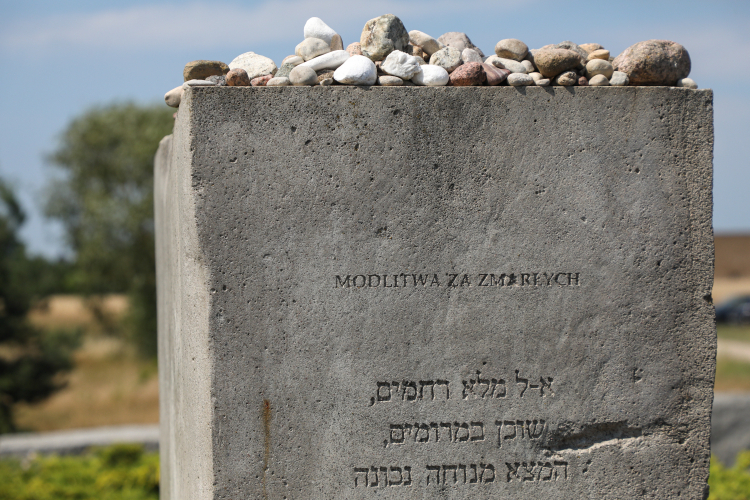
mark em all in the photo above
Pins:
pixel 448 293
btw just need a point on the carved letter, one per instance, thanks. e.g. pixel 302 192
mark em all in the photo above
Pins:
pixel 364 280
pixel 523 381
pixel 425 437
pixel 564 466
pixel 475 479
pixel 512 471
pixel 413 387
pixel 548 384
pixel 447 388
pixel 343 283
pixel 422 384
pixel 573 277
pixel 484 476
pixel 451 468
pixel 369 282
pixel 551 470
pixel 392 482
pixel 480 435
pixel 407 473
pixel 451 278
pixel 465 280
pixel 462 427
pixel 525 279
pixel 374 470
pixel 450 434
pixel 499 391
pixel 435 280
pixel 385 281
pixel 397 434
pixel 360 470
pixel 512 425
pixel 430 470
pixel 384 397
pixel 483 277
pixel 536 428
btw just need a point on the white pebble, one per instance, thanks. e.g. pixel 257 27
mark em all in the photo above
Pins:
pixel 520 80
pixel 357 70
pixel 431 76
pixel 401 64
pixel 198 83
pixel 331 60
pixel 687 83
pixel 316 28
pixel 509 64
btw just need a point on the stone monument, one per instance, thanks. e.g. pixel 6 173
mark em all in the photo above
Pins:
pixel 455 293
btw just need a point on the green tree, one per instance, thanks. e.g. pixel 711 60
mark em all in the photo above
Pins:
pixel 104 199
pixel 29 359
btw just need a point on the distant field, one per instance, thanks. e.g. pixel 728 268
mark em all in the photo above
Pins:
pixel 726 288
pixel 109 385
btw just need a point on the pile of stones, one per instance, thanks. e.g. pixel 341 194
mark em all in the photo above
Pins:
pixel 388 55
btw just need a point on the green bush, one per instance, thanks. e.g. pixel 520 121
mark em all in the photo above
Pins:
pixel 119 472
pixel 730 483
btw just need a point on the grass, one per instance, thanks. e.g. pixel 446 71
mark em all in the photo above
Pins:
pixel 732 376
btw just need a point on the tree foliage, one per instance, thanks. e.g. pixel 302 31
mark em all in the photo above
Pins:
pixel 29 359
pixel 104 199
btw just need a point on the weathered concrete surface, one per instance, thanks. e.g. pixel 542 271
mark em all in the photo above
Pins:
pixel 588 374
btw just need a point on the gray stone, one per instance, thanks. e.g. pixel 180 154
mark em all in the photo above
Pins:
pixel 303 75
pixel 390 81
pixel 429 45
pixel 688 83
pixel 255 65
pixel 566 79
pixel 285 69
pixel 520 80
pixel 619 79
pixel 543 82
pixel 278 81
pixel 552 62
pixel 310 48
pixel 220 80
pixel 448 58
pixel 471 55
pixel 383 35
pixel 654 62
pixel 291 365
pixel 198 83
pixel 511 48
pixel 528 65
pixel 459 41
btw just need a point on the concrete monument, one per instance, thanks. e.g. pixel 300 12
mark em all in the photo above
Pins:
pixel 455 293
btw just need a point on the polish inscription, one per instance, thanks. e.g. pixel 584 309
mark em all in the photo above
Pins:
pixel 459 280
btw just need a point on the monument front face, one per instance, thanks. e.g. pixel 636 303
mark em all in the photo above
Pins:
pixel 456 293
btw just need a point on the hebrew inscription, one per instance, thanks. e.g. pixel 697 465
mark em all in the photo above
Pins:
pixel 462 474
pixel 459 280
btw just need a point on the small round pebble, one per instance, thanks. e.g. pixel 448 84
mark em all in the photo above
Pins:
pixel 469 74
pixel 390 81
pixel 260 81
pixel 520 80
pixel 687 83
pixel 279 81
pixel 357 70
pixel 294 60
pixel 590 47
pixel 599 67
pixel 528 65
pixel 619 79
pixel 511 48
pixel 583 81
pixel 337 43
pixel 536 76
pixel 599 81
pixel 316 28
pixel 566 79
pixel 325 82
pixel 544 82
pixel 471 55
pixel 238 78
pixel 174 97
pixel 303 75
pixel 495 76
pixel 599 54
pixel 509 64
pixel 198 83
pixel 400 64
pixel 310 48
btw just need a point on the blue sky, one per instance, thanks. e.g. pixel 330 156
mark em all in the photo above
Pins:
pixel 61 57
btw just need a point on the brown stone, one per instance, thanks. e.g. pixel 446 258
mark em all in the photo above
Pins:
pixel 337 43
pixel 495 76
pixel 324 74
pixel 467 75
pixel 590 47
pixel 238 78
pixel 202 69
pixel 552 62
pixel 654 62
pixel 260 81
pixel 583 81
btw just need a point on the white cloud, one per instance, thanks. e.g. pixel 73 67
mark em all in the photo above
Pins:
pixel 203 25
